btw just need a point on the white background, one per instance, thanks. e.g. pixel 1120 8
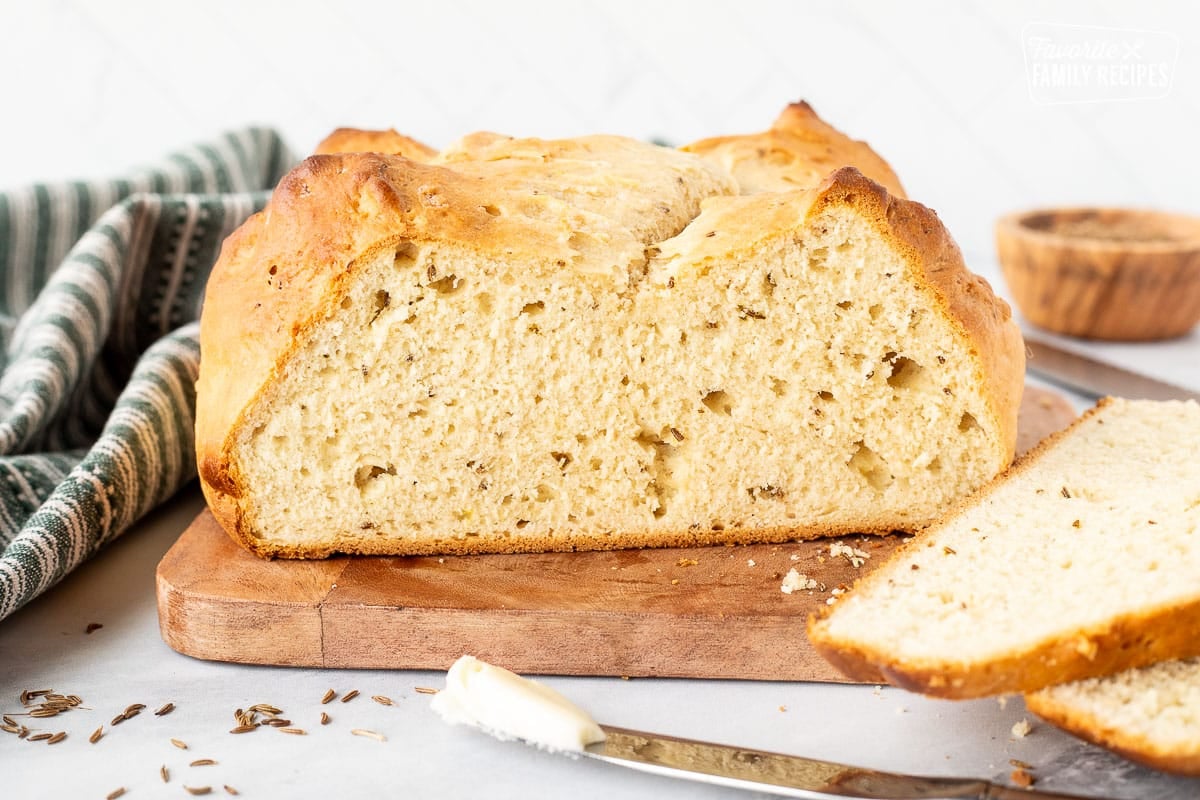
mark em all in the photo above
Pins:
pixel 939 88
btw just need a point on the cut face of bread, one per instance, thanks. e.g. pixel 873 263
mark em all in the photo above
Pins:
pixel 1082 561
pixel 590 344
pixel 1151 714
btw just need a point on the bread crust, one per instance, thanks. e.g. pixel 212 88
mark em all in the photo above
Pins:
pixel 1184 760
pixel 797 152
pixel 1131 640
pixel 286 269
pixel 389 142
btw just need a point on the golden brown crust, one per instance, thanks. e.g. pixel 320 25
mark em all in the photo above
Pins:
pixel 550 543
pixel 1183 760
pixel 1131 640
pixel 798 152
pixel 389 142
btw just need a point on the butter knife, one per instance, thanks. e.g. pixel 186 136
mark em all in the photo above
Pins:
pixel 788 776
pixel 1095 378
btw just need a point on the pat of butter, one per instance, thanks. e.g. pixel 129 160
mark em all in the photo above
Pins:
pixel 508 706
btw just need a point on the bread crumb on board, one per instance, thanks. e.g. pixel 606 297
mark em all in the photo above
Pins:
pixel 1021 729
pixel 797 581
pixel 855 556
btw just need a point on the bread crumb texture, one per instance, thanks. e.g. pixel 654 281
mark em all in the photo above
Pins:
pixel 530 345
pixel 1150 714
pixel 1082 560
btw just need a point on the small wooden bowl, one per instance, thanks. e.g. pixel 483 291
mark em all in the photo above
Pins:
pixel 1103 273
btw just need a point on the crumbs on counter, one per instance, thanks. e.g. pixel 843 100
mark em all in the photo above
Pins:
pixel 1021 729
pixel 854 555
pixel 796 581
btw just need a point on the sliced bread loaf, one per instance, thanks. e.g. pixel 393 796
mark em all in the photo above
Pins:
pixel 1150 714
pixel 592 343
pixel 1083 560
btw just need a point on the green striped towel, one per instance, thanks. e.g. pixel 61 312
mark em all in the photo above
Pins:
pixel 100 287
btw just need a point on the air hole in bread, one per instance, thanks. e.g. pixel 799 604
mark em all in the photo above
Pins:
pixel 718 402
pixel 779 386
pixel 967 422
pixel 562 459
pixel 369 472
pixel 767 491
pixel 491 210
pixel 874 311
pixel 483 301
pixel 447 285
pixel 817 258
pixel 871 466
pixel 533 308
pixel 406 255
pixel 381 299
pixel 845 305
pixel 906 373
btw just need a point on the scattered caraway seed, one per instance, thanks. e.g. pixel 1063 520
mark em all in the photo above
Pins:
pixel 92 628
pixel 294 731
pixel 1019 764
pixel 198 789
pixel 56 738
pixel 166 709
pixel 115 793
pixel 265 708
pixel 369 734
pixel 350 695
pixel 179 744
pixel 230 790
pixel 96 734
pixel 202 762
pixel 425 690
pixel 38 737
pixel 383 700
pixel 328 696
pixel 164 773
pixel 324 718
pixel 243 729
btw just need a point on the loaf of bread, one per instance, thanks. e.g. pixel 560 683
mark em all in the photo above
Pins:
pixel 593 343
pixel 1150 714
pixel 1082 561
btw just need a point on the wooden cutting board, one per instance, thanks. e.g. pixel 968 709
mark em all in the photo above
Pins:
pixel 707 612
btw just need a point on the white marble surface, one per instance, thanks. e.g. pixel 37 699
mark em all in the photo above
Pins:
pixel 45 646
pixel 939 88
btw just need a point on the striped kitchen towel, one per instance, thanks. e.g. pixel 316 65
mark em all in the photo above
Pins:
pixel 100 287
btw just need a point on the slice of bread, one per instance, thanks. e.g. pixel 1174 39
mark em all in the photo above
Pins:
pixel 539 345
pixel 1083 560
pixel 798 151
pixel 1151 714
